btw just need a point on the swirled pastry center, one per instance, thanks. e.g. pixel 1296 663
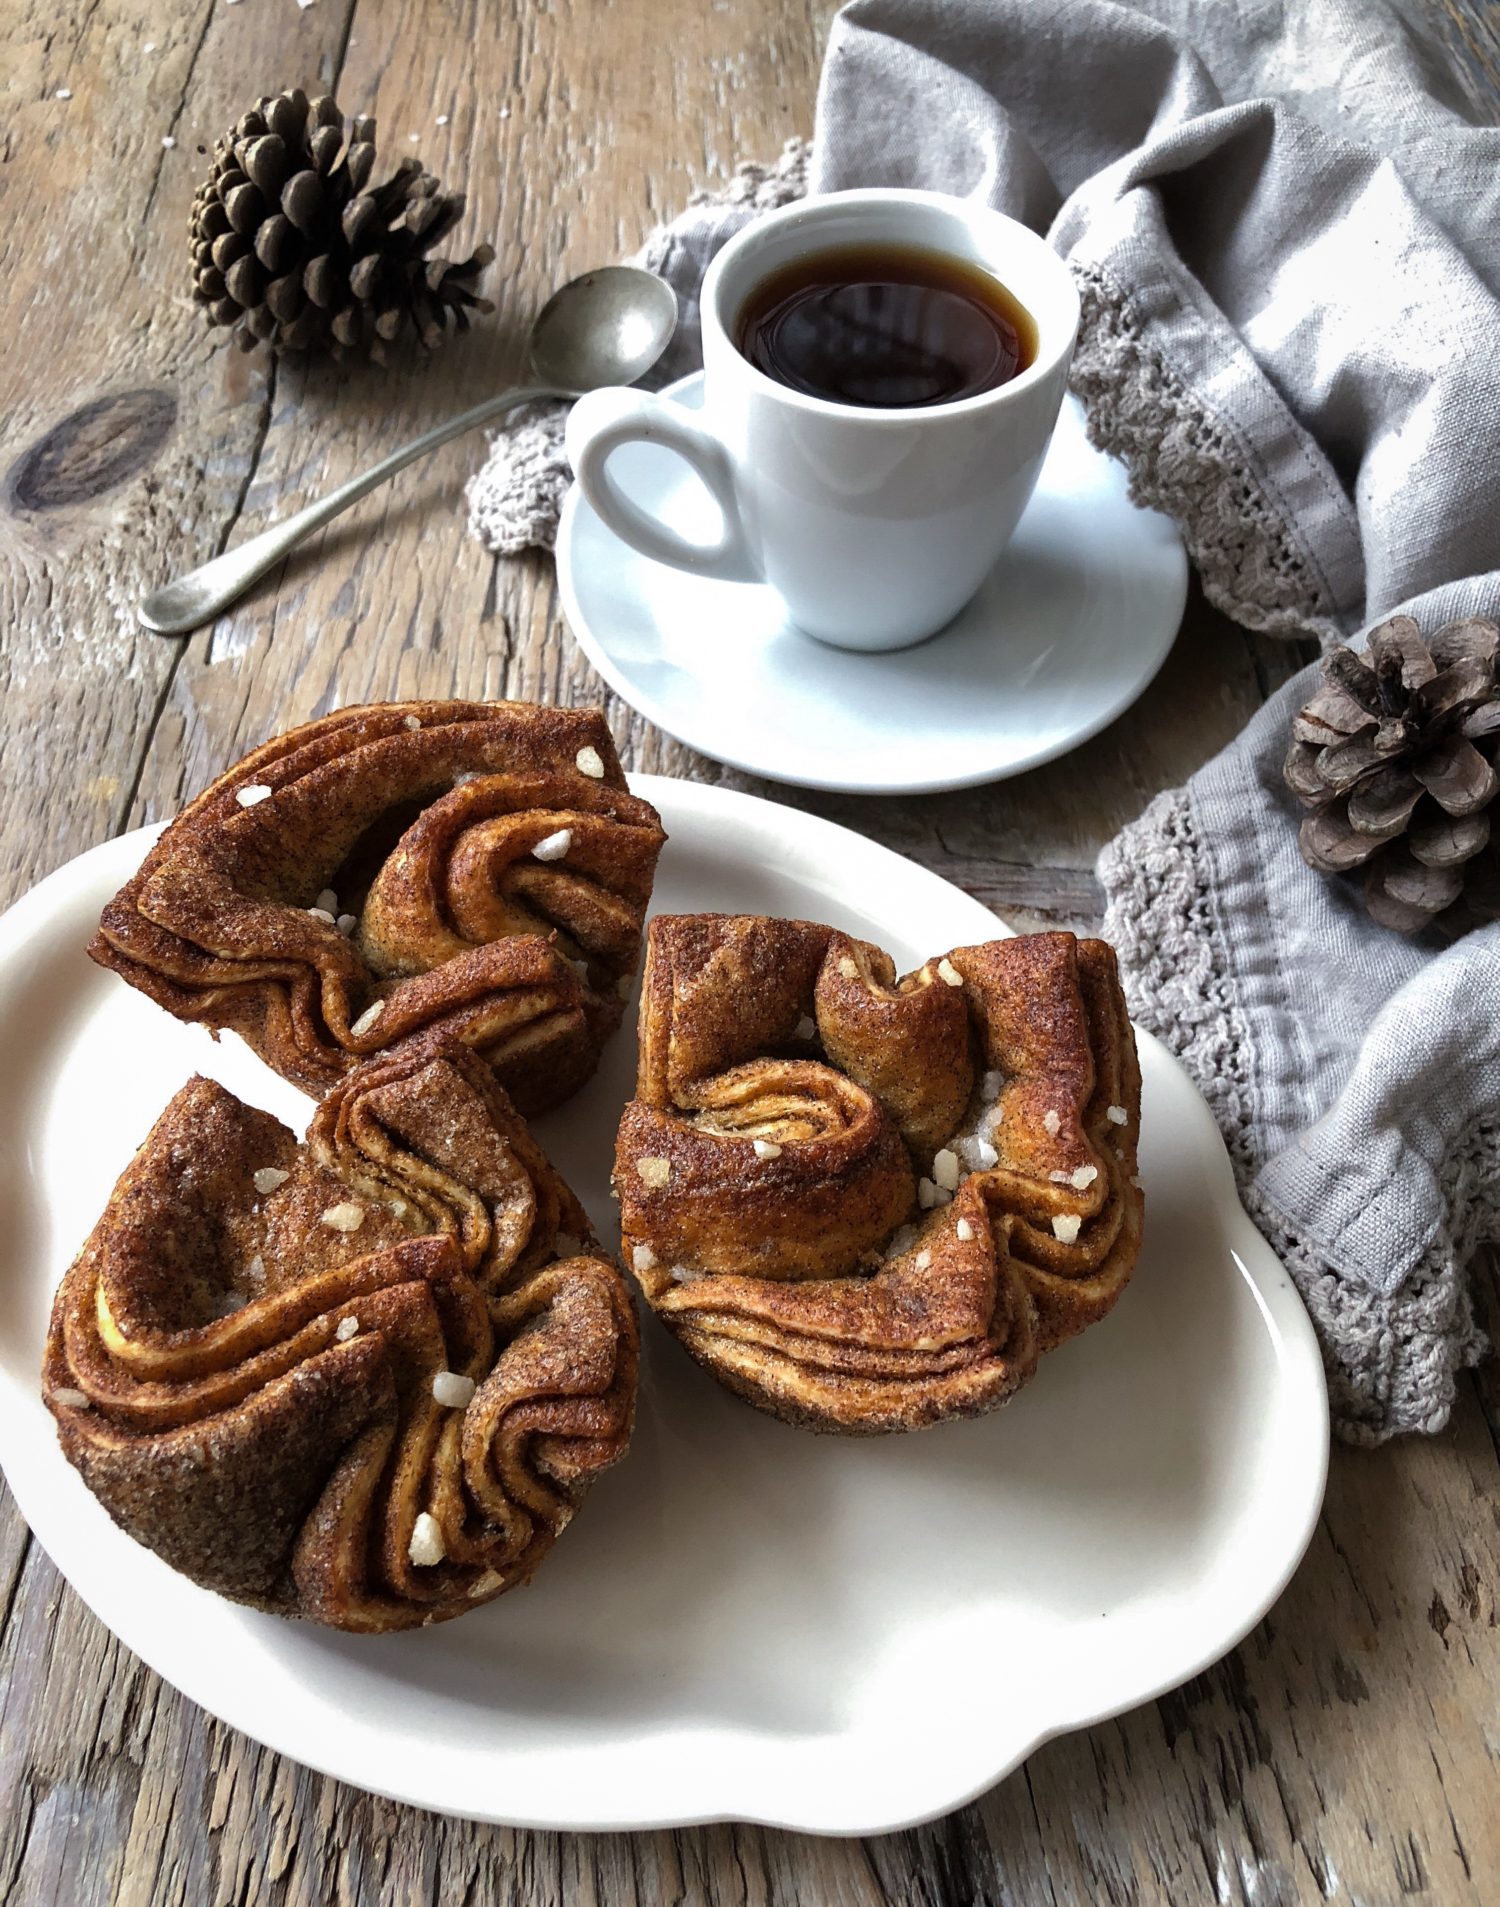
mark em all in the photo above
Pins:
pixel 833 1181
pixel 478 867
pixel 364 1380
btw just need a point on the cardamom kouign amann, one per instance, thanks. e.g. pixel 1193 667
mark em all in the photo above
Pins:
pixel 867 1203
pixel 366 1380
pixel 475 866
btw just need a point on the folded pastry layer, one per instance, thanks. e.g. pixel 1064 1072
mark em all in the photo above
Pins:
pixel 475 866
pixel 867 1203
pixel 364 1380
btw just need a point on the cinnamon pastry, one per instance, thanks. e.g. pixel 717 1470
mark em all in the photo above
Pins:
pixel 476 866
pixel 867 1203
pixel 365 1380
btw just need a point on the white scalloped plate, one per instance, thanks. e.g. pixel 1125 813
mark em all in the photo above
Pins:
pixel 745 1621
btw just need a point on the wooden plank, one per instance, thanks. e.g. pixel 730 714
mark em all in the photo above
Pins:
pixel 92 213
pixel 1346 1751
pixel 1466 41
pixel 565 166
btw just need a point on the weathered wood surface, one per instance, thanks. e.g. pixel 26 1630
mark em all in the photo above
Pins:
pixel 1348 1751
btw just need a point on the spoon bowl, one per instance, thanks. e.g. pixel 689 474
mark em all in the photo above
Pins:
pixel 607 327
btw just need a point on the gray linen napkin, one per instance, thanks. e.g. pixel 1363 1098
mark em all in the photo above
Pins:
pixel 1283 227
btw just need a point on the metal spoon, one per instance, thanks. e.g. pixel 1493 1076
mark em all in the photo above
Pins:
pixel 607 327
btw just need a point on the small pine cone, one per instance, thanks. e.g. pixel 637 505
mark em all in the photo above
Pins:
pixel 294 247
pixel 1395 759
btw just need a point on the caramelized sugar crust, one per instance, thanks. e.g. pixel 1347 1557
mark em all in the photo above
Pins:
pixel 866 1202
pixel 377 873
pixel 365 1380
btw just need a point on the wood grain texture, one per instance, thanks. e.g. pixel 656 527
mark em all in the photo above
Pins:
pixel 1348 1750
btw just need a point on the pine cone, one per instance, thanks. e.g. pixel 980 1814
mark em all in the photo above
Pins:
pixel 290 247
pixel 1395 757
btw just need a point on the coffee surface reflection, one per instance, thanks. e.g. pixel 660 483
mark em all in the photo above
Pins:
pixel 885 327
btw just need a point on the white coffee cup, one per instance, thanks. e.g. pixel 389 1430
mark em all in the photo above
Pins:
pixel 875 527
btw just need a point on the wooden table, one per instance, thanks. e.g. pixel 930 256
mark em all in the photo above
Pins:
pixel 1348 1750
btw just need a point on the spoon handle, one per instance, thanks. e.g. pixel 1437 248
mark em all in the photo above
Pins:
pixel 202 593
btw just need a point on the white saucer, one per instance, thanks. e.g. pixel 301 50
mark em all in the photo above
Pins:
pixel 1074 621
pixel 840 1634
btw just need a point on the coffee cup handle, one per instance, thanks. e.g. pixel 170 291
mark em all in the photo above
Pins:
pixel 600 423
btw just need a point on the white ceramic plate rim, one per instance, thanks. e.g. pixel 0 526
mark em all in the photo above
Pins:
pixel 777 1788
pixel 665 715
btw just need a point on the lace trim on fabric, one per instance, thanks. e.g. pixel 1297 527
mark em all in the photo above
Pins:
pixel 516 496
pixel 1182 460
pixel 1160 923
pixel 1392 1363
pixel 764 187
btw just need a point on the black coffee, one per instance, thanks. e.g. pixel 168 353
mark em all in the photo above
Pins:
pixel 890 327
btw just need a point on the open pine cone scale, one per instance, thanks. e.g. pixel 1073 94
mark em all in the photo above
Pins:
pixel 293 246
pixel 1394 757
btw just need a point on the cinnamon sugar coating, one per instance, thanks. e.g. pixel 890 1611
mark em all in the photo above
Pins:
pixel 417 821
pixel 867 1203
pixel 251 1381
